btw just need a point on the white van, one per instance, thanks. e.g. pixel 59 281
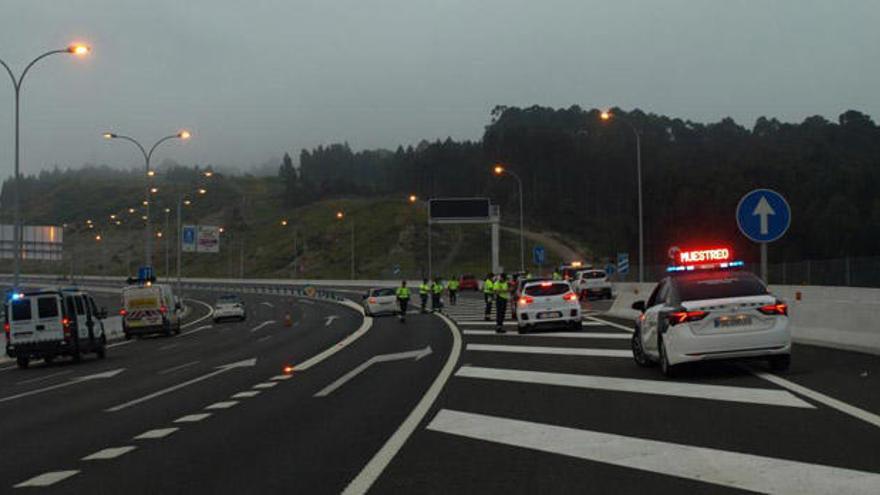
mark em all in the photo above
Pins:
pixel 48 323
pixel 149 308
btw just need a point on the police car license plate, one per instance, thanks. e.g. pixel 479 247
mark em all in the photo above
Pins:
pixel 549 314
pixel 733 321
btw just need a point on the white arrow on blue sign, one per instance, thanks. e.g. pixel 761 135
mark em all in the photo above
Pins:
pixel 763 215
pixel 539 255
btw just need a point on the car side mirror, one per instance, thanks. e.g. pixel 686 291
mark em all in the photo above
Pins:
pixel 639 306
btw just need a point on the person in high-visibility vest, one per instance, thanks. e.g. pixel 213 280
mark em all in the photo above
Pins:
pixel 452 287
pixel 436 295
pixel 403 299
pixel 488 294
pixel 502 295
pixel 556 275
pixel 424 290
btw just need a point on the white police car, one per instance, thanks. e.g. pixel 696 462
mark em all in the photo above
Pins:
pixel 708 309
pixel 228 307
pixel 547 303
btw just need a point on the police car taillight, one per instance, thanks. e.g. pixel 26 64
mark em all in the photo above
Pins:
pixel 526 300
pixel 685 316
pixel 779 308
pixel 570 297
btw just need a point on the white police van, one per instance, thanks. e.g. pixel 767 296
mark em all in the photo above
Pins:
pixel 706 308
pixel 45 324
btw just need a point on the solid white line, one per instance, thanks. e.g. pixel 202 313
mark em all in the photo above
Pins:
pixel 246 395
pixel 33 380
pixel 706 465
pixel 579 335
pixel 342 344
pixel 196 330
pixel 261 325
pixel 266 303
pixel 158 433
pixel 264 338
pixel 180 367
pixel 192 418
pixel 222 405
pixel 111 453
pixel 612 324
pixel 370 473
pixel 47 479
pixel 770 397
pixel 820 397
pixel 563 351
pixel 281 377
pixel 265 385
pixel 117 344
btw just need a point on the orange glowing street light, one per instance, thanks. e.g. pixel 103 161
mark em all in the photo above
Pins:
pixel 340 215
pixel 79 49
pixel 98 237
pixel 498 169
pixel 605 115
pixel 184 134
pixel 203 191
pixel 284 223
pixel 413 198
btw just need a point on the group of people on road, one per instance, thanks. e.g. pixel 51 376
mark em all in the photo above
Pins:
pixel 427 289
pixel 499 290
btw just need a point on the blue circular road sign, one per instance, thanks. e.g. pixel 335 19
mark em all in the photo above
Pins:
pixel 763 215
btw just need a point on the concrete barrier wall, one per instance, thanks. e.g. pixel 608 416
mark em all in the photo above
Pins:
pixel 839 317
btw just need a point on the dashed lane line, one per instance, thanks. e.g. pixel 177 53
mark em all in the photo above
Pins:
pixel 110 453
pixel 222 405
pixel 245 395
pixel 281 377
pixel 155 434
pixel 47 479
pixel 262 325
pixel 179 367
pixel 265 385
pixel 192 418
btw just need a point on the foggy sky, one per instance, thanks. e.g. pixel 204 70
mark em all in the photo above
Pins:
pixel 253 79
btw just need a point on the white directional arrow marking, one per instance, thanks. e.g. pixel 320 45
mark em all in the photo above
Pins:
pixel 220 369
pixel 398 356
pixel 329 320
pixel 73 381
pixel 763 210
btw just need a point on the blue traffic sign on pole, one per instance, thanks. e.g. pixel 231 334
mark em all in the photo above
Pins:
pixel 623 263
pixel 763 215
pixel 145 273
pixel 539 255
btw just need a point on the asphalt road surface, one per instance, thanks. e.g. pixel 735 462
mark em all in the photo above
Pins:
pixel 430 406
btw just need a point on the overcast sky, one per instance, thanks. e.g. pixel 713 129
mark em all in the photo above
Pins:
pixel 253 79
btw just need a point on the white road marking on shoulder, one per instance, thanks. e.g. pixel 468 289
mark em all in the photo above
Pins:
pixel 245 395
pixel 261 325
pixel 281 377
pixel 196 330
pixel 222 405
pixel 579 335
pixel 562 351
pixel 821 398
pixel 47 479
pixel 265 385
pixel 743 471
pixel 264 338
pixel 192 418
pixel 111 453
pixel 751 395
pixel 158 433
pixel 180 367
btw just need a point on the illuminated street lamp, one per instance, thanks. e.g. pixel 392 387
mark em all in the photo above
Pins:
pixel 413 198
pixel 77 49
pixel 607 116
pixel 184 134
pixel 284 223
pixel 341 216
pixel 500 170
pixel 98 237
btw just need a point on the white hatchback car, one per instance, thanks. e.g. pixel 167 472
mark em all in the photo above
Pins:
pixel 547 303
pixel 380 301
pixel 711 315
pixel 593 283
pixel 229 307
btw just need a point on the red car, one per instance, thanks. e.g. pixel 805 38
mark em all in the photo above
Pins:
pixel 468 282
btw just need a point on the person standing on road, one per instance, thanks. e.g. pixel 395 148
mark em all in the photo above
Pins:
pixel 488 294
pixel 436 295
pixel 514 285
pixel 502 295
pixel 403 299
pixel 424 290
pixel 452 287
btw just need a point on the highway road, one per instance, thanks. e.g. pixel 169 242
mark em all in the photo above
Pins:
pixel 436 405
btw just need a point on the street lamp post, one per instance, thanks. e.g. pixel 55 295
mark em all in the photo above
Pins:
pixel 502 170
pixel 75 49
pixel 608 116
pixel 340 216
pixel 148 234
pixel 166 239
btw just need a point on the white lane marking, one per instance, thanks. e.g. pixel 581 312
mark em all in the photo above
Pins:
pixel 612 324
pixel 111 453
pixel 371 472
pixel 329 320
pixel 169 346
pixel 281 377
pixel 246 395
pixel 483 323
pixel 117 344
pixel 765 396
pixel 222 405
pixel 72 381
pixel 192 418
pixel 264 338
pixel 203 318
pixel 180 367
pixel 563 351
pixel 707 465
pixel 196 330
pixel 820 398
pixel 342 344
pixel 306 301
pixel 382 358
pixel 265 385
pixel 262 325
pixel 266 303
pixel 157 433
pixel 579 335
pixel 39 379
pixel 47 479
pixel 220 369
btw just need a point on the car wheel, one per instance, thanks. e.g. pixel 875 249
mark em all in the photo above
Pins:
pixel 576 325
pixel 780 363
pixel 127 336
pixel 101 352
pixel 23 362
pixel 77 357
pixel 639 355
pixel 668 370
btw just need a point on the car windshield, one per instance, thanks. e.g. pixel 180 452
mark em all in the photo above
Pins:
pixel 383 292
pixel 594 274
pixel 547 289
pixel 720 285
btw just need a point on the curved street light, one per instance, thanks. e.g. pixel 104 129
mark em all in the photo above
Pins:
pixel 500 170
pixel 77 49
pixel 148 235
